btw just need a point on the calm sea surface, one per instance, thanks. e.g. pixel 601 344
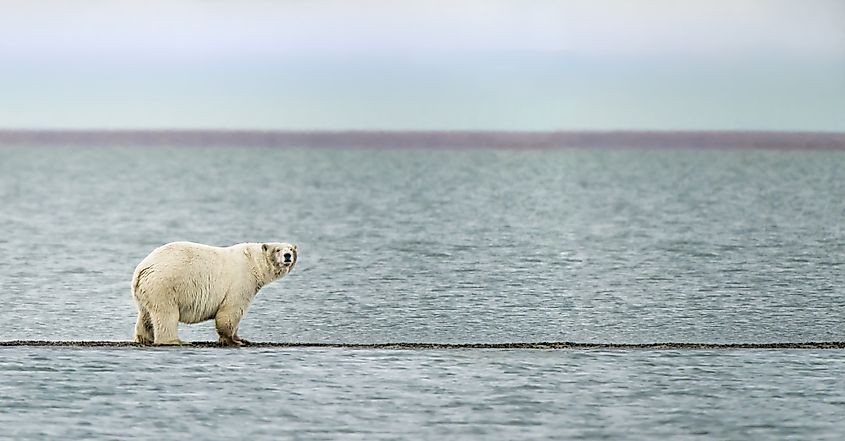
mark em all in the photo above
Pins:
pixel 612 246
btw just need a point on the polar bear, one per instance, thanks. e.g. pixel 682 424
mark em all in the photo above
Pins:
pixel 190 283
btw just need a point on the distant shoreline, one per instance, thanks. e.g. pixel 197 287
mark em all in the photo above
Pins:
pixel 430 139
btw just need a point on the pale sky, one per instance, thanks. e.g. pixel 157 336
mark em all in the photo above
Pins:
pixel 486 65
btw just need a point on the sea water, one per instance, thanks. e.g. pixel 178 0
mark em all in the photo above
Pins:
pixel 448 246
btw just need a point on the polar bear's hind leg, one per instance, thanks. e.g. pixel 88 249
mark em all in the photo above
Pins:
pixel 166 326
pixel 144 327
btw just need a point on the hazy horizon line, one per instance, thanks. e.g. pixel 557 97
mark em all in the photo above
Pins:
pixel 446 139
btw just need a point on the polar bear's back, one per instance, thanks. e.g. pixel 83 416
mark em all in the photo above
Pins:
pixel 182 259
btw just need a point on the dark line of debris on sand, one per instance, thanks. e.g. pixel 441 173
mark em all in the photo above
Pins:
pixel 424 346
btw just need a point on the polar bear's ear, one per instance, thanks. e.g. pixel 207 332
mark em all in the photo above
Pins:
pixel 264 247
pixel 294 247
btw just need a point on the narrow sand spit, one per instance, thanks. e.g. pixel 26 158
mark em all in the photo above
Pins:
pixel 439 346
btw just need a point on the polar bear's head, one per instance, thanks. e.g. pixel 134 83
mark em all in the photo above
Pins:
pixel 281 255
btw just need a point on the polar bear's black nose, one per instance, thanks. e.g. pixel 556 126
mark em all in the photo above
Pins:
pixel 287 256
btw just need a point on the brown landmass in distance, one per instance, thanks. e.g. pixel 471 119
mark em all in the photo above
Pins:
pixel 430 139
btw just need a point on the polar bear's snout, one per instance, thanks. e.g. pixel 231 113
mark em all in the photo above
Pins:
pixel 286 255
pixel 281 255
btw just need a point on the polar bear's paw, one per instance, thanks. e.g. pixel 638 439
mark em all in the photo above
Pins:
pixel 143 341
pixel 230 342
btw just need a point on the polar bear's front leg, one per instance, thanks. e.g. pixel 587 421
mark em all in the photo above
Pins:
pixel 227 321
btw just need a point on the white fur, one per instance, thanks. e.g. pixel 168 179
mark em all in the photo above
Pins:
pixel 190 283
